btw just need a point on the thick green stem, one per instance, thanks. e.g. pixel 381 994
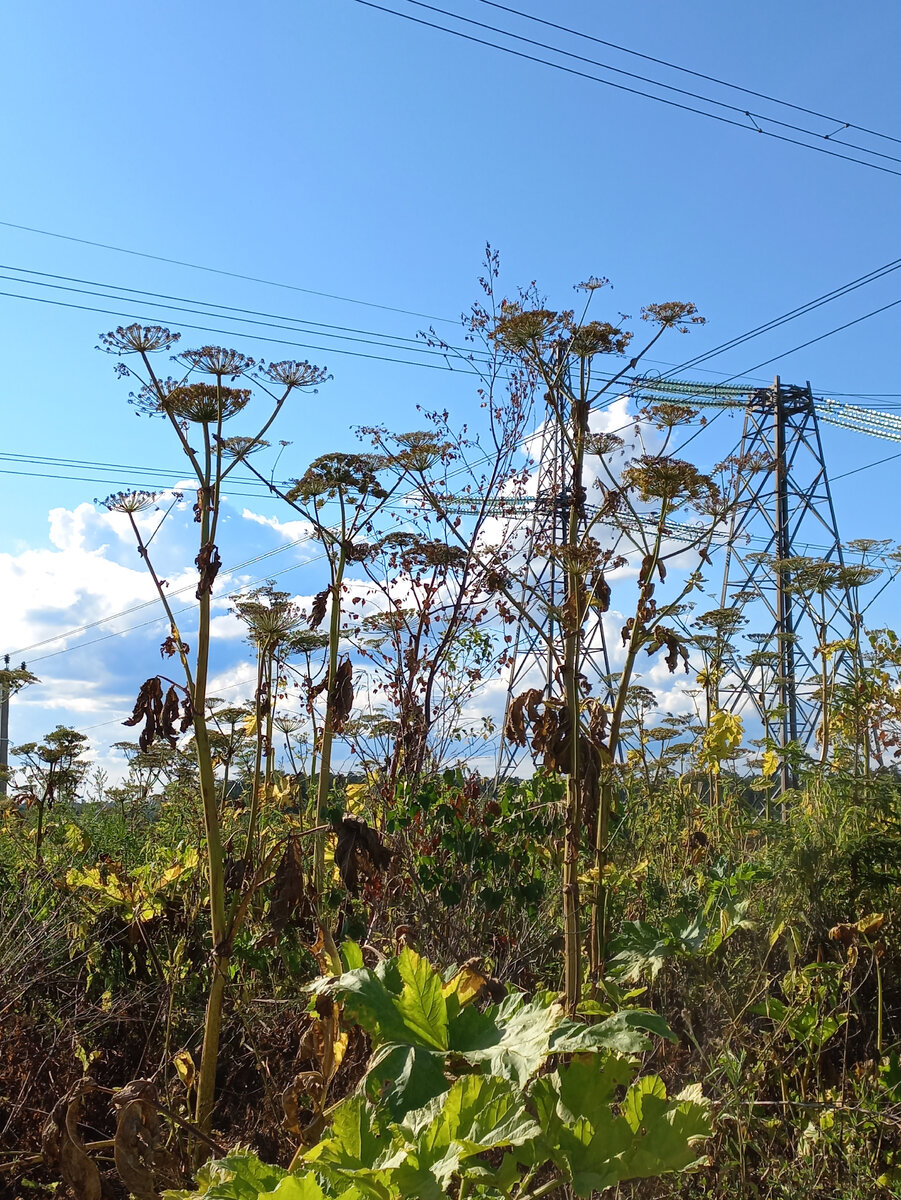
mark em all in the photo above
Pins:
pixel 325 757
pixel 221 948
pixel 257 763
pixel 598 933
pixel 572 645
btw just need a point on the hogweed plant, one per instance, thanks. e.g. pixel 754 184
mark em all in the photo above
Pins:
pixel 568 730
pixel 198 404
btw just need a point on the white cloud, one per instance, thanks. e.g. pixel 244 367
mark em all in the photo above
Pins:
pixel 289 531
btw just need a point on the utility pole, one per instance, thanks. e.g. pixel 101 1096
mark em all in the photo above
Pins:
pixel 4 726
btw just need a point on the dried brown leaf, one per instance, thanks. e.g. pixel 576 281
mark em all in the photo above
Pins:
pixel 359 851
pixel 319 607
pixel 78 1171
pixel 341 695
pixel 208 562
pixel 288 886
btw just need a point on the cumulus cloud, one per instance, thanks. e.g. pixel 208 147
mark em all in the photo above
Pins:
pixel 289 531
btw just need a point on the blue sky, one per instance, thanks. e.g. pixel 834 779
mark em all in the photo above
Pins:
pixel 339 149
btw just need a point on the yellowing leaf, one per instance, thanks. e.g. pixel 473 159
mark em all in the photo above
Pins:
pixel 339 1049
pixel 769 763
pixel 871 923
pixel 465 985
pixel 721 739
pixel 184 1065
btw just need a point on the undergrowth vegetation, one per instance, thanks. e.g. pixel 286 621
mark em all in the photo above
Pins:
pixel 665 964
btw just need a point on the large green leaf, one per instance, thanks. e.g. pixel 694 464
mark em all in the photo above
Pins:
pixel 670 1133
pixel 479 1113
pixel 511 1041
pixel 400 1003
pixel 235 1177
pixel 369 1002
pixel 623 1033
pixel 594 1146
pixel 421 1004
pixel 296 1187
pixel 355 1151
pixel 405 1077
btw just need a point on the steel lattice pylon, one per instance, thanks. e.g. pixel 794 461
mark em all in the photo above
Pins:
pixel 783 553
pixel 785 514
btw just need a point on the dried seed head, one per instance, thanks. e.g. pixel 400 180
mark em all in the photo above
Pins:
pixel 240 447
pixel 295 374
pixel 218 361
pixel 130 502
pixel 200 402
pixel 138 339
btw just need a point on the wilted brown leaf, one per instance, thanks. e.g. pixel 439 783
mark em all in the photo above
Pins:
pixel 309 1086
pixel 171 646
pixel 288 886
pixel 359 851
pixel 319 607
pixel 61 1145
pixel 208 562
pixel 148 707
pixel 137 1137
pixel 341 696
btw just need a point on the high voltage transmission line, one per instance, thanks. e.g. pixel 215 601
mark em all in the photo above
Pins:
pixel 177 262
pixel 467 359
pixel 662 62
pixel 752 124
pixel 85 287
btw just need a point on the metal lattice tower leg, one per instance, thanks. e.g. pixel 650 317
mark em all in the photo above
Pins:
pixel 785 514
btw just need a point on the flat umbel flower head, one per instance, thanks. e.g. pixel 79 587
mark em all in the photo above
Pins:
pixel 294 374
pixel 218 361
pixel 130 502
pixel 240 447
pixel 138 339
pixel 202 403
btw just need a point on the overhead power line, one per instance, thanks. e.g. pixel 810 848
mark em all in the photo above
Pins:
pixel 812 341
pixel 662 62
pixel 801 310
pixel 177 262
pixel 460 365
pixel 754 118
pixel 415 345
pixel 257 337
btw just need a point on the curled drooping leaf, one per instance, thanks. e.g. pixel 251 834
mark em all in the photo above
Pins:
pixel 208 562
pixel 341 695
pixel 359 851
pixel 171 646
pixel 187 714
pixel 288 886
pixel 319 607
pixel 148 708
pixel 62 1146
pixel 525 703
pixel 304 1092
pixel 169 716
pixel 675 647
pixel 137 1137
pixel 160 714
